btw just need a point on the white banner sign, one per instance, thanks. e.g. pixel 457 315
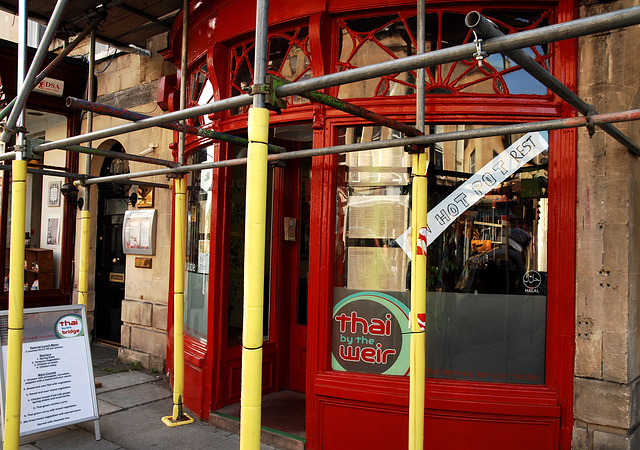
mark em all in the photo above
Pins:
pixel 480 184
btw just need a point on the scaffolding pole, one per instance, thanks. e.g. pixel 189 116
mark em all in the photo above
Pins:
pixel 501 130
pixel 178 416
pixel 27 86
pixel 487 29
pixel 354 110
pixel 418 259
pixel 13 400
pixel 112 111
pixel 538 36
pixel 106 154
pixel 254 247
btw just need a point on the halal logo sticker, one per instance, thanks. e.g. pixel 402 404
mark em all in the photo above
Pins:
pixel 68 326
pixel 531 281
pixel 371 334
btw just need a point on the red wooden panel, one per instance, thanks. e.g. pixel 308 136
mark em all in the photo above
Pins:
pixel 373 426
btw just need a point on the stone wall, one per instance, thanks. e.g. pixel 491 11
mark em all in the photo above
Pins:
pixel 130 82
pixel 606 394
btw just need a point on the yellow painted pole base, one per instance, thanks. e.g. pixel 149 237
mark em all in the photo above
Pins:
pixel 171 422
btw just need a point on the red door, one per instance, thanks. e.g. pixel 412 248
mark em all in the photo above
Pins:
pixel 299 275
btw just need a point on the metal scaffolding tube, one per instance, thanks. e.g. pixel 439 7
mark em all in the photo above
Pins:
pixel 53 173
pixel 557 124
pixel 29 80
pixel 78 103
pixel 354 110
pixel 523 39
pixel 545 35
pixel 108 154
pixel 487 29
pixel 56 61
pixel 7 156
pixel 220 105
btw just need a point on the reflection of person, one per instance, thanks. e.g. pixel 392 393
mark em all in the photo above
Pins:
pixel 498 270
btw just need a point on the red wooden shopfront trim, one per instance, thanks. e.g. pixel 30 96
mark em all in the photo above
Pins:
pixel 341 402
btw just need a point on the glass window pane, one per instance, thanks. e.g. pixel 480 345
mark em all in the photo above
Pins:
pixel 199 198
pixel 486 272
pixel 486 305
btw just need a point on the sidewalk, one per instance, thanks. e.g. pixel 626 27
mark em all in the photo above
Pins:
pixel 131 405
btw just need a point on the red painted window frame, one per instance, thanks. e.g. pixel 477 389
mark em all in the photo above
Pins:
pixel 557 392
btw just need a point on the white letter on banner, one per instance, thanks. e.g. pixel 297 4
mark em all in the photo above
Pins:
pixel 482 182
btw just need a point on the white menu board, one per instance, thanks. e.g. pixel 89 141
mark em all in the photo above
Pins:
pixel 58 388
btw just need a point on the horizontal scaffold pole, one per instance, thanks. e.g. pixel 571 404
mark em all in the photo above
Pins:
pixel 487 29
pixel 35 143
pixel 52 173
pixel 352 109
pixel 501 130
pixel 78 103
pixel 544 35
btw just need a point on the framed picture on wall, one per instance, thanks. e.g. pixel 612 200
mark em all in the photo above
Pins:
pixel 54 193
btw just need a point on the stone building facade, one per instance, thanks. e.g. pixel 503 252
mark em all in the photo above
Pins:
pixel 607 359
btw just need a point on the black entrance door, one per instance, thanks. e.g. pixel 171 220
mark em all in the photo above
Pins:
pixel 110 263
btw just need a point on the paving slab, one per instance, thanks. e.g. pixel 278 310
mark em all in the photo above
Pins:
pixel 124 379
pixel 105 408
pixel 78 438
pixel 136 395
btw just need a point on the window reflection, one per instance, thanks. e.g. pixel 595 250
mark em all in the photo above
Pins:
pixel 368 40
pixel 486 272
pixel 289 58
pixel 198 230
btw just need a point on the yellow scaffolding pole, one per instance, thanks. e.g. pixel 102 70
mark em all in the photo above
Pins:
pixel 178 417
pixel 254 252
pixel 16 306
pixel 418 301
pixel 83 278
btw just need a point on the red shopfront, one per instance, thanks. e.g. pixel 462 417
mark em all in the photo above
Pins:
pixel 501 291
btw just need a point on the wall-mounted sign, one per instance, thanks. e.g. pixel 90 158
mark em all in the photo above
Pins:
pixel 370 334
pixel 139 232
pixel 50 86
pixel 57 375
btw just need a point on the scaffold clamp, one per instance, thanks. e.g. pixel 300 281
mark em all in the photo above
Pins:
pixel 29 154
pixel 413 149
pixel 272 103
pixel 479 54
